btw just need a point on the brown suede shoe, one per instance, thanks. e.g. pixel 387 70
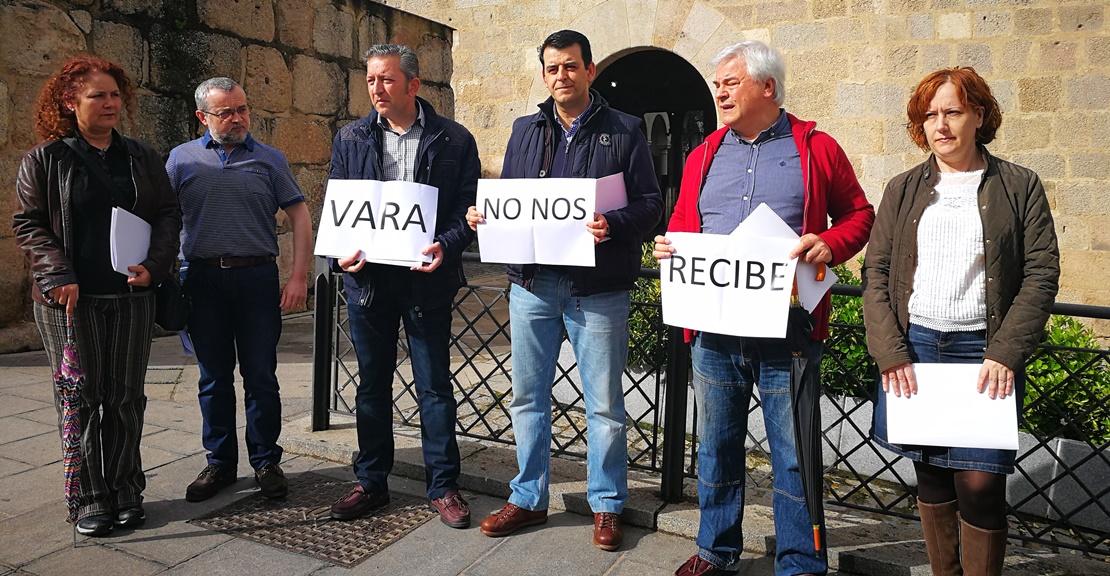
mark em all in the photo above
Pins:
pixel 357 503
pixel 608 534
pixel 511 518
pixel 452 509
pixel 698 566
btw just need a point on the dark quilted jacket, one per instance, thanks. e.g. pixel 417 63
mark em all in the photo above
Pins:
pixel 1022 261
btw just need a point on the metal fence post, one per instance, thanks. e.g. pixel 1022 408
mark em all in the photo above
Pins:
pixel 323 325
pixel 674 415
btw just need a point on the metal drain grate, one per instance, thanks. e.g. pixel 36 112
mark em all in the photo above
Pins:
pixel 300 523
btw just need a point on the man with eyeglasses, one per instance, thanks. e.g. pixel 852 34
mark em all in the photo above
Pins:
pixel 230 188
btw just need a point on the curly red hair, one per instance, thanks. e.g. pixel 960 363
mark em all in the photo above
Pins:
pixel 54 118
pixel 970 88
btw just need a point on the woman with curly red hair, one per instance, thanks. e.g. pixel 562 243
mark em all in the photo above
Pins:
pixel 962 267
pixel 67 186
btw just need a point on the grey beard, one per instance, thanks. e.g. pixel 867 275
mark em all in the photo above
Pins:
pixel 228 139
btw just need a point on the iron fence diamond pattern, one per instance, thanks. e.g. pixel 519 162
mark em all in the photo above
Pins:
pixel 858 473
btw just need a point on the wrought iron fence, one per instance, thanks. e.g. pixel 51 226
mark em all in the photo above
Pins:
pixel 1059 496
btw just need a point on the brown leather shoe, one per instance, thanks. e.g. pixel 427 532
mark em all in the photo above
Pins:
pixel 511 518
pixel 272 481
pixel 452 509
pixel 608 534
pixel 209 482
pixel 357 503
pixel 698 566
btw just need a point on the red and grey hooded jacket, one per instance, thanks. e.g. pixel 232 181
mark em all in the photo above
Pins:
pixel 831 191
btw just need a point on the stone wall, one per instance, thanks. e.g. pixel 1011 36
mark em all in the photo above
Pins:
pixel 299 61
pixel 851 65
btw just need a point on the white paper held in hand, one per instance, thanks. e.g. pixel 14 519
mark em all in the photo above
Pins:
pixel 130 239
pixel 949 411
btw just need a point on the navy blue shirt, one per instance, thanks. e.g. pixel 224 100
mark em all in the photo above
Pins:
pixel 228 201
pixel 743 175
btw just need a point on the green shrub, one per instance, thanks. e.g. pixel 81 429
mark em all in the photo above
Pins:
pixel 647 346
pixel 1067 390
pixel 849 369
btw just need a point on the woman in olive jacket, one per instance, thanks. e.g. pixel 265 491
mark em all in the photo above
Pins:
pixel 962 267
pixel 63 223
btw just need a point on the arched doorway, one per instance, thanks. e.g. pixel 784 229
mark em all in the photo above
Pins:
pixel 677 107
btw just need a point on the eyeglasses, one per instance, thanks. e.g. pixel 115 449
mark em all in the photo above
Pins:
pixel 243 110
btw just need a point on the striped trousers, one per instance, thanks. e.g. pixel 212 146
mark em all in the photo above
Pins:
pixel 113 344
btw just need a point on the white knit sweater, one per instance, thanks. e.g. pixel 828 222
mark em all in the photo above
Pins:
pixel 949 290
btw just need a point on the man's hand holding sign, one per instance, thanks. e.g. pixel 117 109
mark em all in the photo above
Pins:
pixel 740 284
pixel 386 222
pixel 557 221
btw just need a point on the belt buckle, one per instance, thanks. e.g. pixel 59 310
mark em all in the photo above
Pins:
pixel 222 265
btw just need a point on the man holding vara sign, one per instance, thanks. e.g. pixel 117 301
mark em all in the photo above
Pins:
pixel 404 139
pixel 575 134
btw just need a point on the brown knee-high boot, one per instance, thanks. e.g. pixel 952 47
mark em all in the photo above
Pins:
pixel 983 550
pixel 941 526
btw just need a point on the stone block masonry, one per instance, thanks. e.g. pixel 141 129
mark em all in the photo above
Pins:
pixel 850 66
pixel 299 61
pixel 851 63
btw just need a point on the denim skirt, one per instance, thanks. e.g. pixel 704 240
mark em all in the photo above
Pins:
pixel 933 346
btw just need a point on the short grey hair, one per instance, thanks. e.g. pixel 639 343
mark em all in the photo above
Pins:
pixel 221 83
pixel 410 65
pixel 763 62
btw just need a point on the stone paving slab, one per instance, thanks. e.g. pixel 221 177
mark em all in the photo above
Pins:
pixel 92 559
pixel 40 450
pixel 38 387
pixel 35 533
pixel 167 538
pixel 28 490
pixel 237 556
pixel 15 428
pixel 47 415
pixel 13 404
pixel 9 467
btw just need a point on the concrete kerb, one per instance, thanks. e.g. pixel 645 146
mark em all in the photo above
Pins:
pixel 862 543
pixel 487 469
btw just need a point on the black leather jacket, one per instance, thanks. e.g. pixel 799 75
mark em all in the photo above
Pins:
pixel 49 174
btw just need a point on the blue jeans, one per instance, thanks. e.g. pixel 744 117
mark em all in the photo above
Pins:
pixel 725 370
pixel 374 334
pixel 597 327
pixel 237 312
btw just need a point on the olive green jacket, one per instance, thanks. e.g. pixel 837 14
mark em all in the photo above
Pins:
pixel 1021 257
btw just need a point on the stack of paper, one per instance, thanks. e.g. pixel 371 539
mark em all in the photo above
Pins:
pixel 130 240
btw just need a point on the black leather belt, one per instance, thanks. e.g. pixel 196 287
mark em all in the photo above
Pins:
pixel 233 261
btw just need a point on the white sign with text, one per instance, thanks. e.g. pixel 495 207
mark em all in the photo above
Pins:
pixel 543 221
pixel 390 222
pixel 728 284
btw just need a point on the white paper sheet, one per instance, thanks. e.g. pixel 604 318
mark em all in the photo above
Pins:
pixel 390 222
pixel 611 194
pixel 716 292
pixel 539 220
pixel 130 240
pixel 948 411
pixel 764 223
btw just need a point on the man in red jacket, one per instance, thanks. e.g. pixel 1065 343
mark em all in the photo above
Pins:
pixel 761 156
